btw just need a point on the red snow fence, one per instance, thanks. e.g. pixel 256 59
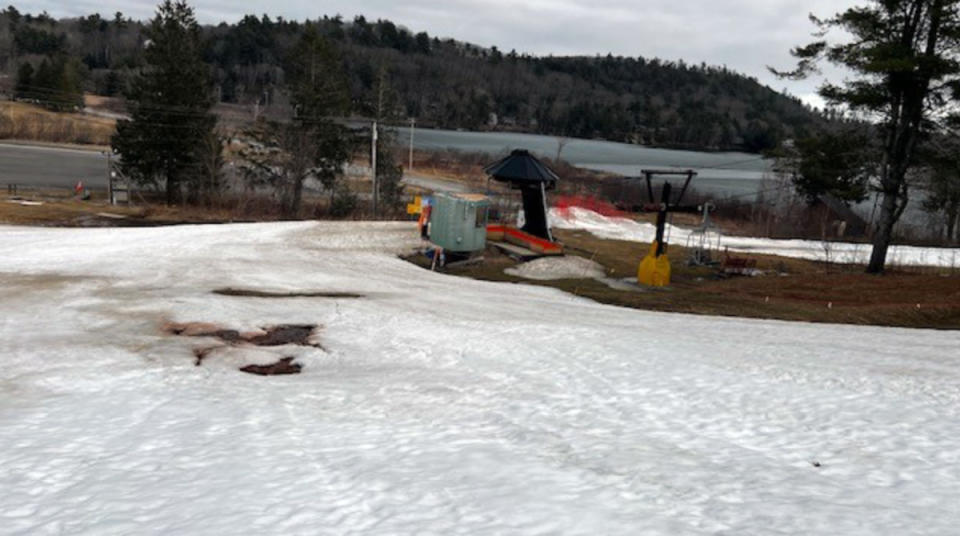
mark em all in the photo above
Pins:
pixel 563 203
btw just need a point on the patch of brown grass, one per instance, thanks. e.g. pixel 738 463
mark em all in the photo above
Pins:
pixel 21 121
pixel 460 166
pixel 52 207
pixel 790 289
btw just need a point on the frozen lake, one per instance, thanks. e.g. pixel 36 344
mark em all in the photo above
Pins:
pixel 721 173
pixel 724 175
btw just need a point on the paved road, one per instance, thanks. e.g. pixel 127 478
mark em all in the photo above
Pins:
pixel 51 167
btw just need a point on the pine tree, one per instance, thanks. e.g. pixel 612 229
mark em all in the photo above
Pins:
pixel 69 84
pixel 942 160
pixel 44 81
pixel 113 85
pixel 905 61
pixel 312 145
pixel 24 81
pixel 169 106
pixel 838 162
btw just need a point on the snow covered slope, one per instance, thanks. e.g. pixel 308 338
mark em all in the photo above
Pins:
pixel 438 404
pixel 840 252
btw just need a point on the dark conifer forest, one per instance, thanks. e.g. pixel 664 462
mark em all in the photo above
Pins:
pixel 440 82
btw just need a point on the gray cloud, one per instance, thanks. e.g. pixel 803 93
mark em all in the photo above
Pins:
pixel 745 35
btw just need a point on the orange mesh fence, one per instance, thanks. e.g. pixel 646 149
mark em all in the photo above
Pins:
pixel 564 203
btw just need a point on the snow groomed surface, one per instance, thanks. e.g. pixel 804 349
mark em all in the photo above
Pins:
pixel 438 404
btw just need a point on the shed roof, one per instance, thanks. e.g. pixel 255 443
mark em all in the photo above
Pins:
pixel 522 168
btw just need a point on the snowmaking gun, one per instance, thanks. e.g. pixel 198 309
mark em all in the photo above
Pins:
pixel 654 269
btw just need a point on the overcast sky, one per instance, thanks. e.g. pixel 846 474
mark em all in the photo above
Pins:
pixel 745 35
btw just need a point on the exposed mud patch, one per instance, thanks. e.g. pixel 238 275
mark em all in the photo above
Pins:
pixel 282 335
pixel 296 334
pixel 202 353
pixel 246 293
pixel 284 366
pixel 191 329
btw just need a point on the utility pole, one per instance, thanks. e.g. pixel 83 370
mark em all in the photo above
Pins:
pixel 413 124
pixel 373 167
pixel 373 155
pixel 108 153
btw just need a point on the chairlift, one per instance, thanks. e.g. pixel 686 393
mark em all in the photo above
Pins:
pixel 654 269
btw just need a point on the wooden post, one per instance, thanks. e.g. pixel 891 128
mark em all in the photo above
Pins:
pixel 662 218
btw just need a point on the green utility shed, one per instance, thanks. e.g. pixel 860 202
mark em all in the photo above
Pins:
pixel 458 222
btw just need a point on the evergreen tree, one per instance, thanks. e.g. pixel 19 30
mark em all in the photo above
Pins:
pixel 942 159
pixel 69 84
pixel 905 59
pixel 839 163
pixel 389 172
pixel 44 81
pixel 113 85
pixel 24 81
pixel 423 43
pixel 56 84
pixel 319 94
pixel 312 145
pixel 169 106
pixel 209 182
pixel 13 14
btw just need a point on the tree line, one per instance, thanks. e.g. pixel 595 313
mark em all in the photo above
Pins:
pixel 442 82
pixel 172 140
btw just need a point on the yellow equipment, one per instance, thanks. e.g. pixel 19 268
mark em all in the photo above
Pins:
pixel 654 270
pixel 416 207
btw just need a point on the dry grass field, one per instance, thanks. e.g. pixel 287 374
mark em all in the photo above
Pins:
pixel 788 289
pixel 27 122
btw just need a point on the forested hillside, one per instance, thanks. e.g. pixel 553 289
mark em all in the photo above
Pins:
pixel 440 82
